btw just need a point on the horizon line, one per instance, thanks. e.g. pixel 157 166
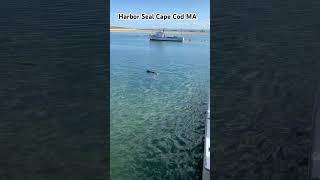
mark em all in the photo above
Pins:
pixel 158 28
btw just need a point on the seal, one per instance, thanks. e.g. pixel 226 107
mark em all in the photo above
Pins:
pixel 152 72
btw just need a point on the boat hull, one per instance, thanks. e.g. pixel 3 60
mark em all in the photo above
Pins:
pixel 206 160
pixel 174 39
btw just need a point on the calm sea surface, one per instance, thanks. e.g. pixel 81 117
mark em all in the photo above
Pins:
pixel 266 65
pixel 157 122
pixel 53 90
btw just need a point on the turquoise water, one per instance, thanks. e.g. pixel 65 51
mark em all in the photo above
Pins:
pixel 157 122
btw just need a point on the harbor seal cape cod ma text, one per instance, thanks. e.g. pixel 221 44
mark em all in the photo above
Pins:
pixel 158 16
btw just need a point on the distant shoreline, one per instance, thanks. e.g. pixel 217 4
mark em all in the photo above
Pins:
pixel 121 29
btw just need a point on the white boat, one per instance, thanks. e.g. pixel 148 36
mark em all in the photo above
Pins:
pixel 206 159
pixel 160 36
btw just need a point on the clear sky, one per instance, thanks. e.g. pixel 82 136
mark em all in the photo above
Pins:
pixel 168 7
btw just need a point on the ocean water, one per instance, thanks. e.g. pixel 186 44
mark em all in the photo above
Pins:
pixel 53 90
pixel 157 122
pixel 266 66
